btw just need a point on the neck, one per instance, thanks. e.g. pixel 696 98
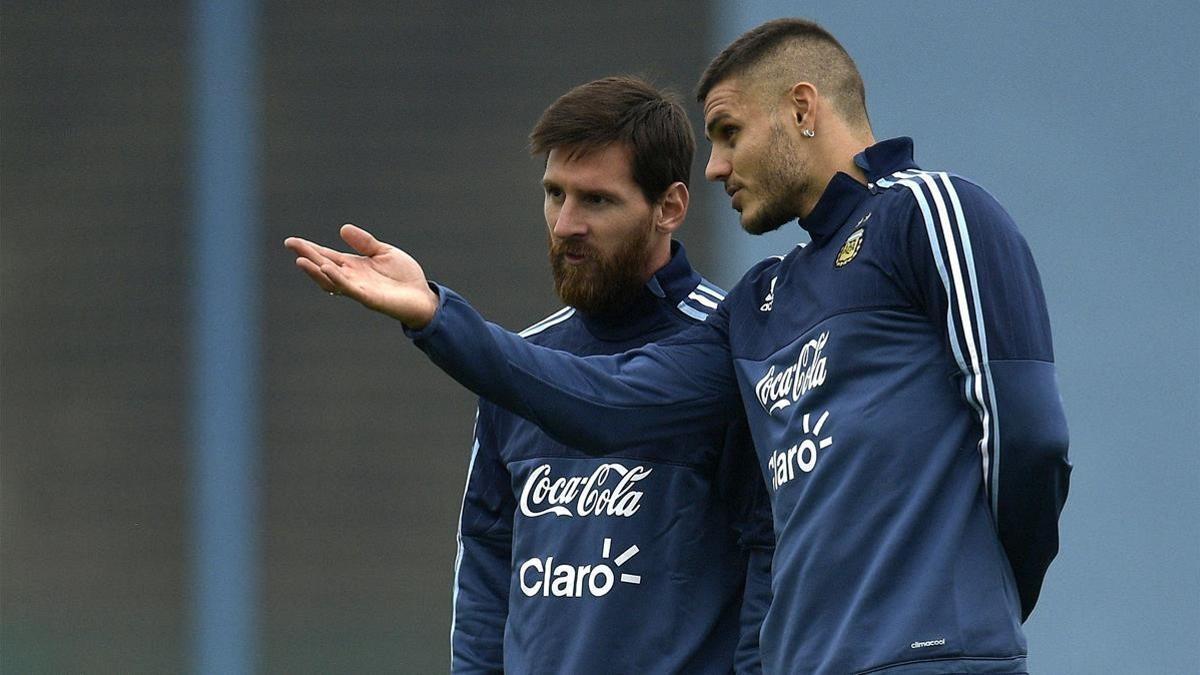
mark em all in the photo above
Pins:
pixel 657 259
pixel 834 154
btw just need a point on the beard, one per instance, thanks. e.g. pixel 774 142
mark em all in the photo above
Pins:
pixel 782 185
pixel 602 285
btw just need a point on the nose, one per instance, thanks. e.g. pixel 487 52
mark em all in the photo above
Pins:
pixel 718 167
pixel 565 222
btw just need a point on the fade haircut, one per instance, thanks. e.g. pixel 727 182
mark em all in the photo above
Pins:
pixel 624 110
pixel 790 51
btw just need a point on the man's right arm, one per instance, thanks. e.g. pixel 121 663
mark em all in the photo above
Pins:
pixel 594 403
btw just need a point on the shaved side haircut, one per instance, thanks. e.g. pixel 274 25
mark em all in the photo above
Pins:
pixel 782 52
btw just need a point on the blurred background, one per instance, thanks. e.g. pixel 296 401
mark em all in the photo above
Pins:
pixel 207 465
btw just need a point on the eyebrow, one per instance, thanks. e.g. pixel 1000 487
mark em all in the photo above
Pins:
pixel 712 124
pixel 607 194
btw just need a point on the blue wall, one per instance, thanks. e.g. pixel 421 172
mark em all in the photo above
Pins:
pixel 1085 124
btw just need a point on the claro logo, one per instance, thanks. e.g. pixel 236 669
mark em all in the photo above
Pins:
pixel 544 577
pixel 608 491
pixel 779 388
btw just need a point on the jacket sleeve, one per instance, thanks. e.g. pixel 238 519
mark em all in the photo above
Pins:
pixel 743 488
pixel 593 403
pixel 483 568
pixel 973 272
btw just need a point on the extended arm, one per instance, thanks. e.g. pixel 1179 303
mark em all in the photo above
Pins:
pixel 593 403
pixel 980 285
pixel 483 569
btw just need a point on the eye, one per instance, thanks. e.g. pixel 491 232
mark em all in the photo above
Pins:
pixel 553 192
pixel 596 200
pixel 729 131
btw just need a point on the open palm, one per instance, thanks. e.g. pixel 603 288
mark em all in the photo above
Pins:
pixel 381 277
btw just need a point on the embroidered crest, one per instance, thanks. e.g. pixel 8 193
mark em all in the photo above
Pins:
pixel 851 248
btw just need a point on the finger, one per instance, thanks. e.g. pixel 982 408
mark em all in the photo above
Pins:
pixel 314 272
pixel 315 252
pixel 305 249
pixel 339 282
pixel 361 240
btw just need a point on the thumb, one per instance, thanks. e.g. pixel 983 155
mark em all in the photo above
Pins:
pixel 361 240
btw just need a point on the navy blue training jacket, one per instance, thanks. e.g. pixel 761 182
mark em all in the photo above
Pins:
pixel 897 374
pixel 653 558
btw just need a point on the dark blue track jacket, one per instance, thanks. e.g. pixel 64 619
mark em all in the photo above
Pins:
pixel 898 378
pixel 653 558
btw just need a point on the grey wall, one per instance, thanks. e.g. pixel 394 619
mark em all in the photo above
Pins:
pixel 410 119
pixel 93 194
pixel 407 118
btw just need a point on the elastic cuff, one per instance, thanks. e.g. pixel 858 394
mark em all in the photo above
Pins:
pixel 431 327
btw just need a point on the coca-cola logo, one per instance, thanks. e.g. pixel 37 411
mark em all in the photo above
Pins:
pixel 778 389
pixel 608 491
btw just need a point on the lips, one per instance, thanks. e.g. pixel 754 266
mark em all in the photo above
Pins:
pixel 733 199
pixel 571 254
pixel 733 191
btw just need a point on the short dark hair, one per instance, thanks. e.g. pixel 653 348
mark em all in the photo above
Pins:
pixel 626 110
pixel 822 60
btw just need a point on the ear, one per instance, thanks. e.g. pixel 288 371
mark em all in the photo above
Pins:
pixel 802 100
pixel 671 209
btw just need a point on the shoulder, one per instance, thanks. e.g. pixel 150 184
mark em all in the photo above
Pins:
pixel 552 325
pixel 701 301
pixel 940 203
pixel 933 193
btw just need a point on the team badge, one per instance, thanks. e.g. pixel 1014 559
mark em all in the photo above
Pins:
pixel 851 248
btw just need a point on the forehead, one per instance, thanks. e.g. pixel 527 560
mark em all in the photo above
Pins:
pixel 729 98
pixel 610 167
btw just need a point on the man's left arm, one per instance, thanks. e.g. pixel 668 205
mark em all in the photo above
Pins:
pixel 982 286
pixel 742 488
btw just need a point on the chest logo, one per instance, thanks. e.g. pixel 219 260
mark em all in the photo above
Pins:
pixel 801 458
pixel 781 387
pixel 851 248
pixel 608 491
pixel 769 301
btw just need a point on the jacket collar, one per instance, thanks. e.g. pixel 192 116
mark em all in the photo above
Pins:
pixel 844 193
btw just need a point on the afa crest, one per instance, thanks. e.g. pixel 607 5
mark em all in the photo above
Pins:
pixel 851 248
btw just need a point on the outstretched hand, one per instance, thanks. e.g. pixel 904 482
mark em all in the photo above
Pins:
pixel 381 277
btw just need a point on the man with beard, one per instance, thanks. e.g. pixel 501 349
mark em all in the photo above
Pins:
pixel 656 557
pixel 897 374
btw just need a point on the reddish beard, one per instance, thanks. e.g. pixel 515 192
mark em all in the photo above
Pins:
pixel 601 284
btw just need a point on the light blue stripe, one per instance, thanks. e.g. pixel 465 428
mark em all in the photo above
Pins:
pixel 710 290
pixel 552 320
pixel 934 244
pixel 692 311
pixel 459 555
pixel 986 419
pixel 225 335
pixel 969 254
pixel 971 374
